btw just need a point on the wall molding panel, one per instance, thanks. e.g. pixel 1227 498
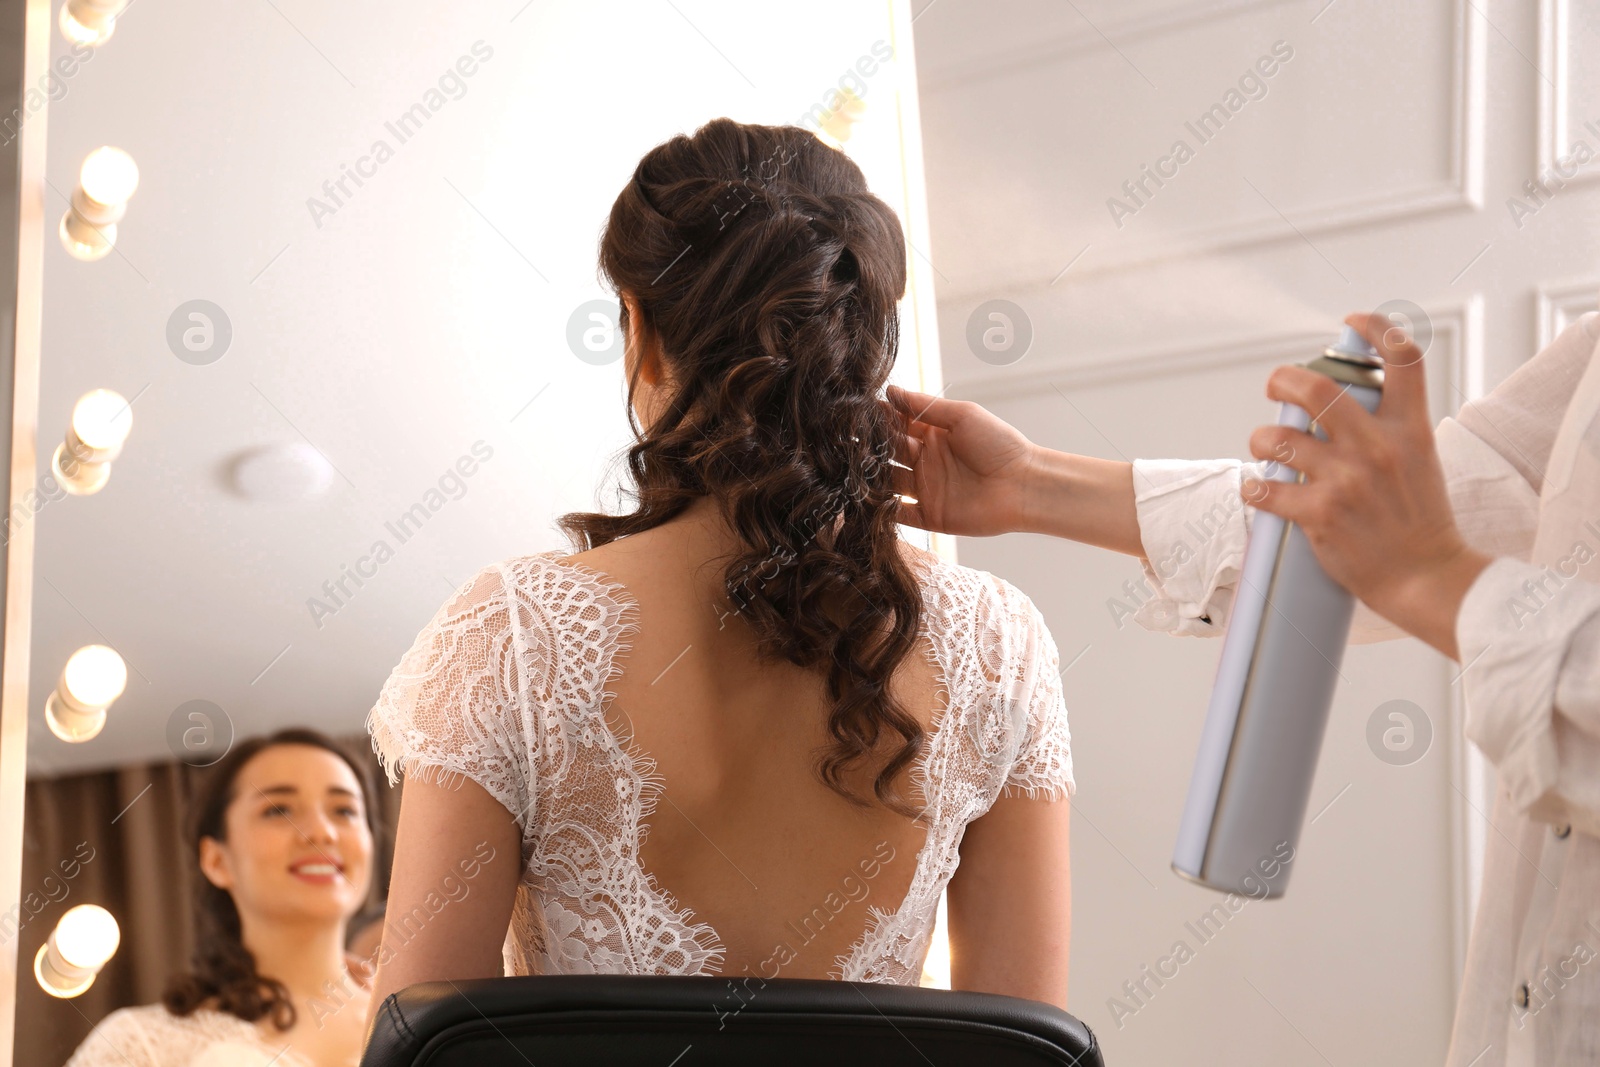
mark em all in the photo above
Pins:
pixel 1122 31
pixel 1461 188
pixel 1557 303
pixel 1555 68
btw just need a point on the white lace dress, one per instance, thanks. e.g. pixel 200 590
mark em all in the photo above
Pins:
pixel 506 685
pixel 151 1036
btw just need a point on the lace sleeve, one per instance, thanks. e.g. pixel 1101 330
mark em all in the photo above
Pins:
pixel 454 707
pixel 1034 705
pixel 118 1040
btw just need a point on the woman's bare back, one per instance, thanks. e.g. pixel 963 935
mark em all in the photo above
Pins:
pixel 745 835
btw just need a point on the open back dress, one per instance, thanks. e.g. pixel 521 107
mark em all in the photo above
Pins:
pixel 507 686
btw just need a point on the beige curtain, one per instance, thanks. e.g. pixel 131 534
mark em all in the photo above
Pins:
pixel 130 821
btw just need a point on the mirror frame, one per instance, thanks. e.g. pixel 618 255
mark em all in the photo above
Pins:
pixel 29 54
pixel 19 421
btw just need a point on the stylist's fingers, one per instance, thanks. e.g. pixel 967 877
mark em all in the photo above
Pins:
pixel 925 407
pixel 1292 448
pixel 1327 402
pixel 1405 389
pixel 902 481
pixel 911 514
pixel 1291 501
pixel 907 448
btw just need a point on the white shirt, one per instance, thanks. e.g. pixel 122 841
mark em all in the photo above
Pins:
pixel 1523 467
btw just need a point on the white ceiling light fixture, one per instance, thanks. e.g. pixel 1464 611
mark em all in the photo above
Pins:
pixel 106 182
pixel 100 423
pixel 92 680
pixel 90 22
pixel 292 470
pixel 85 938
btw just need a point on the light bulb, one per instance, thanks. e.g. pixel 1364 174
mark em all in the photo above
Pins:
pixel 77 33
pixel 102 419
pixel 106 180
pixel 90 22
pixel 83 940
pixel 95 676
pixel 100 423
pixel 108 176
pixel 87 936
pixel 85 241
pixel 75 476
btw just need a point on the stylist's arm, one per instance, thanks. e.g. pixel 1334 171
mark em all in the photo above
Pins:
pixel 971 473
pixel 1374 504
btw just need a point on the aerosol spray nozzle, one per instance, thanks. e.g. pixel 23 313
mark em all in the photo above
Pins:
pixel 1352 347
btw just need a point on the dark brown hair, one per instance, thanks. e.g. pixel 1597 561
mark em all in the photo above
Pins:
pixel 222 967
pixel 770 275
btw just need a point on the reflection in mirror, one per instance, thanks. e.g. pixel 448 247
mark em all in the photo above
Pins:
pixel 322 336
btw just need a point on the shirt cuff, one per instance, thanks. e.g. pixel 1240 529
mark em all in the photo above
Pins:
pixel 1194 525
pixel 1513 632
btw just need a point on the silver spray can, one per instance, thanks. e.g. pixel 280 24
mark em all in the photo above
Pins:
pixel 1275 683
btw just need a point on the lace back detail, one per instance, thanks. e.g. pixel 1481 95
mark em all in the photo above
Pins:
pixel 602 912
pixel 970 751
pixel 509 685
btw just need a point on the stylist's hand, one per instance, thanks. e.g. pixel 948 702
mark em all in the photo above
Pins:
pixel 1374 505
pixel 967 466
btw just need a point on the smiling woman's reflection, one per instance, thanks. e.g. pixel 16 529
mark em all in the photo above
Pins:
pixel 282 831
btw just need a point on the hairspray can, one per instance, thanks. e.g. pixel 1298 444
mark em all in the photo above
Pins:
pixel 1275 682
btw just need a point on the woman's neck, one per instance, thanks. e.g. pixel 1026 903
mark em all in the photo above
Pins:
pixel 706 531
pixel 305 956
pixel 703 520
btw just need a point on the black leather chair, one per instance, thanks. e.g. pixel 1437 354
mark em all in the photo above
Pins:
pixel 567 1021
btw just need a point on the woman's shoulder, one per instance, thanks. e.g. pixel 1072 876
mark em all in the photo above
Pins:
pixel 158 1017
pixel 976 596
pixel 127 1035
pixel 536 589
pixel 566 595
pixel 150 1034
pixel 557 610
pixel 545 575
pixel 139 1020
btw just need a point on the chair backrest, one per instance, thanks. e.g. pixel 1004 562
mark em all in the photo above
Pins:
pixel 568 1021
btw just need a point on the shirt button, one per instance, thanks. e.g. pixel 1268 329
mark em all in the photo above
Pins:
pixel 1522 995
pixel 1561 831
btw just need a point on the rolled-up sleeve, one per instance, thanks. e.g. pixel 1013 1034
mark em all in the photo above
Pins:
pixel 1194 525
pixel 1529 638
